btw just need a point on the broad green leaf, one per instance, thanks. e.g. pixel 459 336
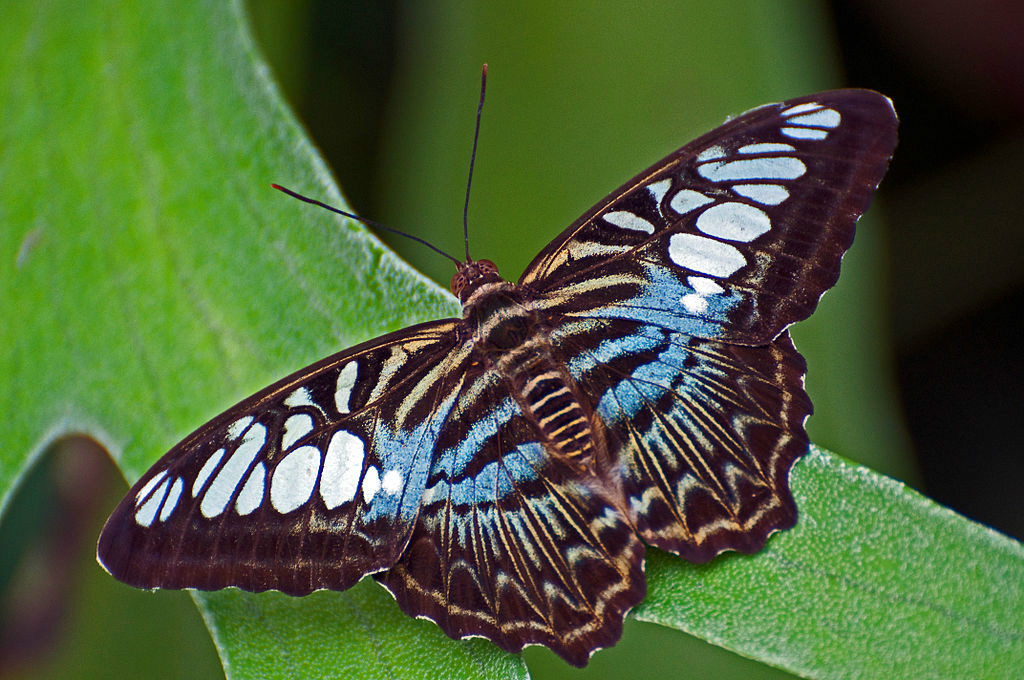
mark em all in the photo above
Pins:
pixel 151 278
pixel 875 581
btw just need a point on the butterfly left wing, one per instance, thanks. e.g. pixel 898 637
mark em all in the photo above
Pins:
pixel 310 483
pixel 399 458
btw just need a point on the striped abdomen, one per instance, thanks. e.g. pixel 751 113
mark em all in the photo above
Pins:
pixel 513 342
pixel 547 395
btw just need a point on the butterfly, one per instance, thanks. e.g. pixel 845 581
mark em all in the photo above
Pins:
pixel 501 473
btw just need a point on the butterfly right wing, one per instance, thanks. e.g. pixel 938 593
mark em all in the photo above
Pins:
pixel 706 432
pixel 309 484
pixel 670 301
pixel 737 234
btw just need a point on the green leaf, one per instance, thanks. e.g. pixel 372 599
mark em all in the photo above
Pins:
pixel 151 278
pixel 360 633
pixel 874 581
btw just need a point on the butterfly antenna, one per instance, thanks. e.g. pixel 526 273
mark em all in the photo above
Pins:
pixel 375 225
pixel 472 160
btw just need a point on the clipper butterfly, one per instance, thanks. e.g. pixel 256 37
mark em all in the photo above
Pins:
pixel 501 473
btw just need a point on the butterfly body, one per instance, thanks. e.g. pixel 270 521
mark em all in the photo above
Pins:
pixel 501 472
pixel 512 343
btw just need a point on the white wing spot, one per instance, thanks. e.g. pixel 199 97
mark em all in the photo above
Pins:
pixel 252 493
pixel 767 167
pixel 705 255
pixel 146 513
pixel 296 427
pixel 801 108
pixel 301 397
pixel 223 486
pixel 686 200
pixel 703 286
pixel 828 118
pixel 144 491
pixel 765 194
pixel 627 220
pixel 694 304
pixel 392 482
pixel 734 222
pixel 804 133
pixel 172 499
pixel 206 471
pixel 294 479
pixel 343 465
pixel 371 484
pixel 711 153
pixel 659 189
pixel 346 381
pixel 765 147
pixel 236 428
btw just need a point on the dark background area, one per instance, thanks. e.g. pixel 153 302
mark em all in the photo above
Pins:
pixel 956 238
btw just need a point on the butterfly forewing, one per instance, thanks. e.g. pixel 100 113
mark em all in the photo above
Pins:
pixel 499 473
pixel 309 484
pixel 736 235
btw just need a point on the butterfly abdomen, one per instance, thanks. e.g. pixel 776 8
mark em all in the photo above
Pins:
pixel 550 401
pixel 512 339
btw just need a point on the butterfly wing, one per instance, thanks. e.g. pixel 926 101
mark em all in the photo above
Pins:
pixel 706 432
pixel 310 483
pixel 398 457
pixel 670 301
pixel 736 235
pixel 510 545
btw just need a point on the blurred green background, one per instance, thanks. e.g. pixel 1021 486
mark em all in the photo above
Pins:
pixel 918 350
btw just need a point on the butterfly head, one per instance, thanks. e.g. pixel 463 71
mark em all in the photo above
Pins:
pixel 471 275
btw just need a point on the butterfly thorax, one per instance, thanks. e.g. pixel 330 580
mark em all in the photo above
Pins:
pixel 512 340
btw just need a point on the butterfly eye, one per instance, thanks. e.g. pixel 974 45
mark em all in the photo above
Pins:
pixel 458 283
pixel 472 273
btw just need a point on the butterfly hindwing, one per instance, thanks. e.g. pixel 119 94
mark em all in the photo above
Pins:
pixel 309 484
pixel 736 235
pixel 512 545
pixel 705 432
